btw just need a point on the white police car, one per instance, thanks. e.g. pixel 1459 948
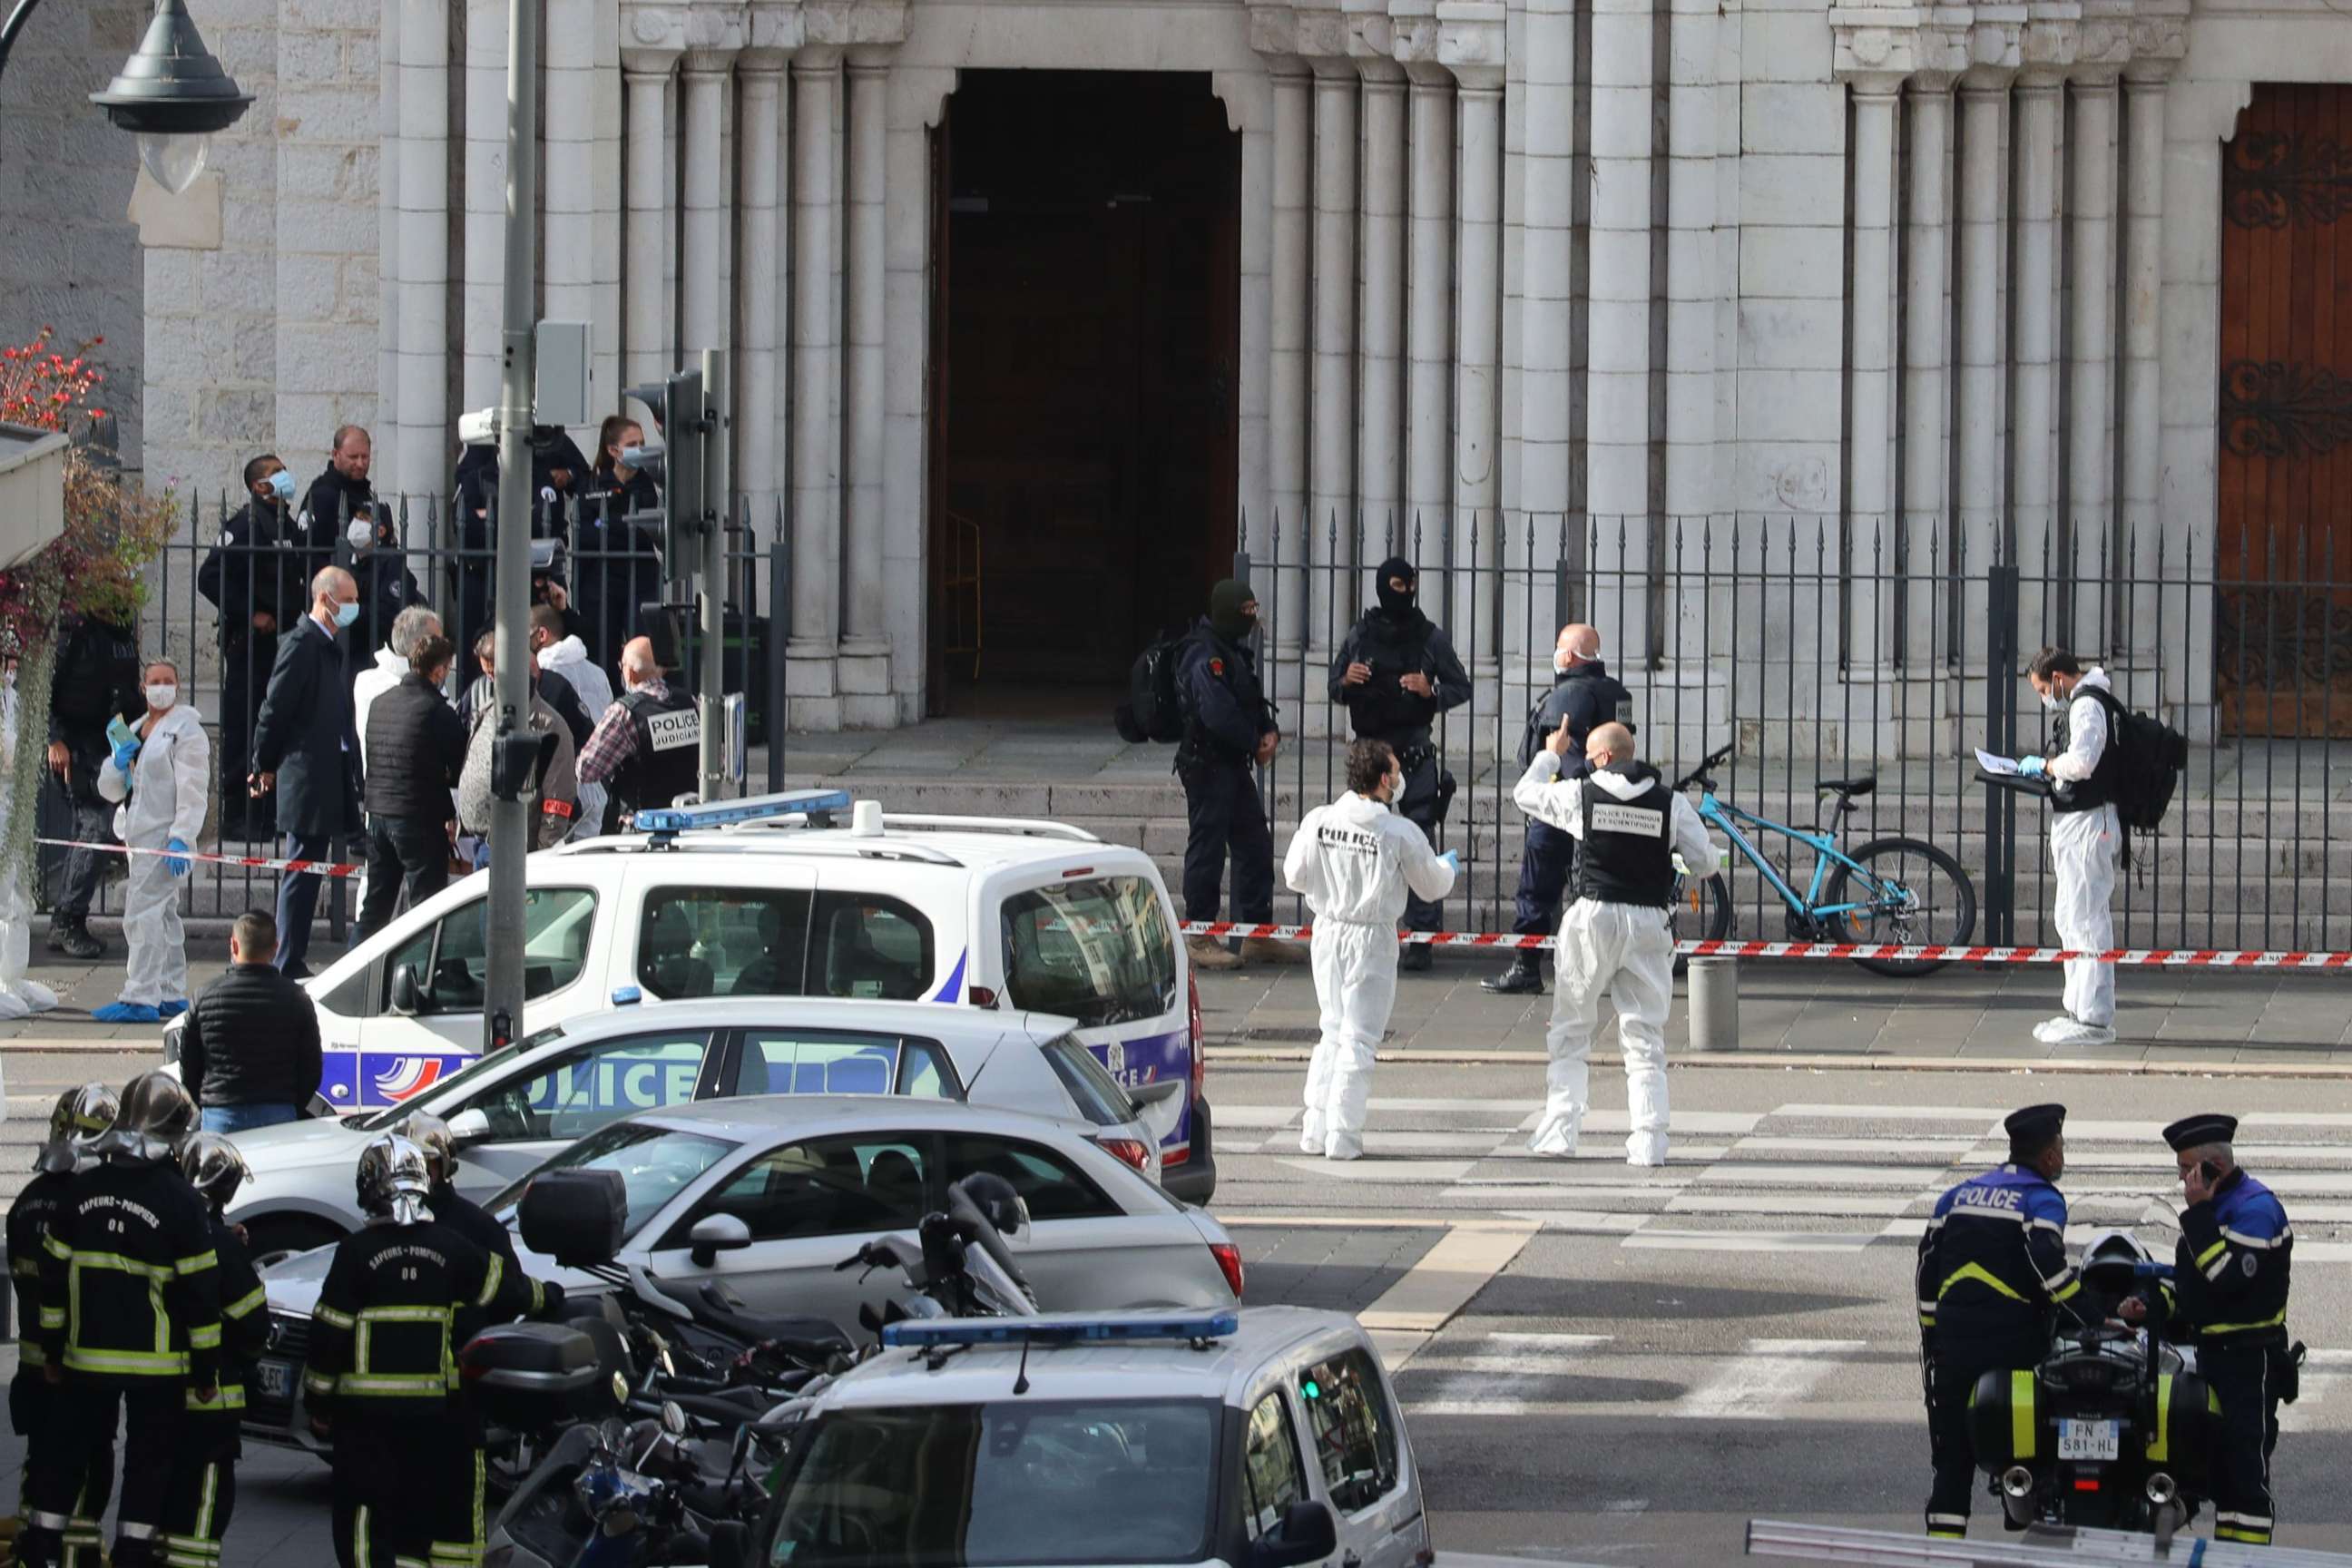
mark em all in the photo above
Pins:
pixel 793 895
pixel 1262 1437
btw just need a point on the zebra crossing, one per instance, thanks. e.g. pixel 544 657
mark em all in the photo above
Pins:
pixel 1794 1177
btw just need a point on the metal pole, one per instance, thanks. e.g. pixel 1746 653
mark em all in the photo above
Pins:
pixel 502 991
pixel 718 505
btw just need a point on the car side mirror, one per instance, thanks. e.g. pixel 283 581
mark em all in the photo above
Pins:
pixel 730 1545
pixel 714 1234
pixel 1308 1534
pixel 409 995
pixel 468 1127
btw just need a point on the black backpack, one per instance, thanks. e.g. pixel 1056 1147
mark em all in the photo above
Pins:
pixel 2151 757
pixel 1154 708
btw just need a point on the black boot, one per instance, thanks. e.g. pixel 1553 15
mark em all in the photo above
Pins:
pixel 69 934
pixel 1417 958
pixel 1522 979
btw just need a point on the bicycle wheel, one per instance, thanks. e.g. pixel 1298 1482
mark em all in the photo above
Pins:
pixel 1914 893
pixel 1701 912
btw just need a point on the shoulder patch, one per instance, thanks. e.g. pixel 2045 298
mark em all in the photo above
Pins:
pixel 2246 1264
pixel 1216 666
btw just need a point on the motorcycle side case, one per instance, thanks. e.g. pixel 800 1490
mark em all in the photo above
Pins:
pixel 528 1376
pixel 576 1217
pixel 2006 1406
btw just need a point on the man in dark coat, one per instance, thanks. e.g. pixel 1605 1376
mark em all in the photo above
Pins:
pixel 96 679
pixel 1229 733
pixel 305 735
pixel 334 496
pixel 253 576
pixel 420 746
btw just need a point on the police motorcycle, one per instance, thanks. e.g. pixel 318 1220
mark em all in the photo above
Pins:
pixel 2113 1428
pixel 611 1494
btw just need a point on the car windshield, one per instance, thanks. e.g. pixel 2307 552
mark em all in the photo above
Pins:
pixel 1026 1481
pixel 455 1090
pixel 656 1165
pixel 1097 950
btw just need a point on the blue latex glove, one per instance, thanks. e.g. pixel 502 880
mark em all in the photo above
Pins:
pixel 176 862
pixel 125 753
pixel 1453 859
pixel 2034 767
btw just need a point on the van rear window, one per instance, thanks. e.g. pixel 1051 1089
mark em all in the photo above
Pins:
pixel 1098 951
pixel 753 941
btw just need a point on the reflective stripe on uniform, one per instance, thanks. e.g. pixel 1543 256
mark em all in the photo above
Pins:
pixel 2273 1321
pixel 126 1364
pixel 196 1263
pixel 490 1281
pixel 229 1397
pixel 245 1304
pixel 2261 1243
pixel 327 1314
pixel 394 1386
pixel 1977 1272
pixel 2211 1253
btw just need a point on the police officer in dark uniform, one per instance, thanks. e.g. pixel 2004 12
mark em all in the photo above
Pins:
pixel 253 575
pixel 2229 1280
pixel 408 1470
pixel 1395 672
pixel 83 1116
pixel 647 746
pixel 1992 1277
pixel 1229 733
pixel 203 1492
pixel 1583 696
pixel 129 1323
pixel 96 679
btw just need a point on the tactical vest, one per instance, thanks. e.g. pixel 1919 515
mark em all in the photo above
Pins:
pixel 667 761
pixel 2090 793
pixel 1628 853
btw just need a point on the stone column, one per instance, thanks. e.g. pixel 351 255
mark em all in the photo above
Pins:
pixel 569 193
pixel 816 358
pixel 2033 356
pixel 1248 98
pixel 1380 456
pixel 1289 315
pixel 421 407
pixel 1547 237
pixel 2141 424
pixel 2090 536
pixel 1618 489
pixel 1693 489
pixel 1332 516
pixel 1977 443
pixel 485 229
pixel 702 301
pixel 866 633
pixel 1927 387
pixel 1870 451
pixel 645 72
pixel 1471 44
pixel 760 238
pixel 1429 334
pixel 917 97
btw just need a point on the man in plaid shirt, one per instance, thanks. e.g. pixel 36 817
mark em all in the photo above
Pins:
pixel 647 747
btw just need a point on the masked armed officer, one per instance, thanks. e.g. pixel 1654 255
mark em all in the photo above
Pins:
pixel 1992 1274
pixel 1395 673
pixel 130 1321
pixel 34 1403
pixel 381 1378
pixel 203 1493
pixel 2229 1279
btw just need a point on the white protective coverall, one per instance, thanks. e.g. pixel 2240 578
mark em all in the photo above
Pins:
pixel 163 799
pixel 1626 950
pixel 2083 848
pixel 1353 861
pixel 569 659
pixel 19 995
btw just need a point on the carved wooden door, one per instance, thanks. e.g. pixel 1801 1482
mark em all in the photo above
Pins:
pixel 2284 562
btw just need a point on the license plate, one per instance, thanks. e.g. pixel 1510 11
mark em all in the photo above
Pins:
pixel 2090 1440
pixel 276 1378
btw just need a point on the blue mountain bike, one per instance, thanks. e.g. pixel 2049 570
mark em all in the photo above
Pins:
pixel 1893 890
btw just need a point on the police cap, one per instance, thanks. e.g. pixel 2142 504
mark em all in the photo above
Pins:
pixel 2035 1126
pixel 2195 1132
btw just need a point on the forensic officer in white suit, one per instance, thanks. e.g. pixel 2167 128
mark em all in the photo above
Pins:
pixel 1628 825
pixel 1353 861
pixel 159 774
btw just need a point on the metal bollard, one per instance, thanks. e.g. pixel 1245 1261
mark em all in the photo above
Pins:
pixel 1713 1004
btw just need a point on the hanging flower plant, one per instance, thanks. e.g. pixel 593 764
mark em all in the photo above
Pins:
pixel 112 531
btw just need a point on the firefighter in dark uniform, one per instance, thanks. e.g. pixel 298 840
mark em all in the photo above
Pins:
pixel 1229 733
pixel 203 1493
pixel 2229 1282
pixel 83 1116
pixel 253 575
pixel 1584 696
pixel 541 1298
pixel 130 1321
pixel 382 1377
pixel 1992 1277
pixel 1395 673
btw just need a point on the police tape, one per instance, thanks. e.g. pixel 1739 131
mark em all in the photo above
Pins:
pixel 258 862
pixel 1939 952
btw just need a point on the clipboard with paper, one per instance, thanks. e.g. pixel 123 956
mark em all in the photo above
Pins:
pixel 2002 773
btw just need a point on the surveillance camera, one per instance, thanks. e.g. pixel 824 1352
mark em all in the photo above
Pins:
pixel 479 429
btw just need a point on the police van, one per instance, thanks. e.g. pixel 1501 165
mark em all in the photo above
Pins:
pixel 803 894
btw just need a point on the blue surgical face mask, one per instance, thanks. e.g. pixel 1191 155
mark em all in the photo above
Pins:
pixel 347 612
pixel 281 485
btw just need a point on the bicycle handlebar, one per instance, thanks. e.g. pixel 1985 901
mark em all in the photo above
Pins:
pixel 1697 775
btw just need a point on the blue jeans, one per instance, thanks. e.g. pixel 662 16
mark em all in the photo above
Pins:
pixel 241 1118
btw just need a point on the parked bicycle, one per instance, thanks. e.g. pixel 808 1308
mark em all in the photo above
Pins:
pixel 1889 891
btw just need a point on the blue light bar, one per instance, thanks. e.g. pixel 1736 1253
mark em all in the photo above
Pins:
pixel 1061 1328
pixel 757 809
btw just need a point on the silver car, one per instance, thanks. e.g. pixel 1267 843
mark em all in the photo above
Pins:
pixel 516 1108
pixel 769 1194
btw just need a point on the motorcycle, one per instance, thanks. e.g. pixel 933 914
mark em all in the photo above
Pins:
pixel 643 1494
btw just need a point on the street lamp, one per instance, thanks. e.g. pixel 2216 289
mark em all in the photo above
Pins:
pixel 172 94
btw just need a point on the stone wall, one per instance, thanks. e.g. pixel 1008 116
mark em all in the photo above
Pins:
pixel 69 255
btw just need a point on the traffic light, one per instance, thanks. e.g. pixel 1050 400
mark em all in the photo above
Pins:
pixel 674 460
